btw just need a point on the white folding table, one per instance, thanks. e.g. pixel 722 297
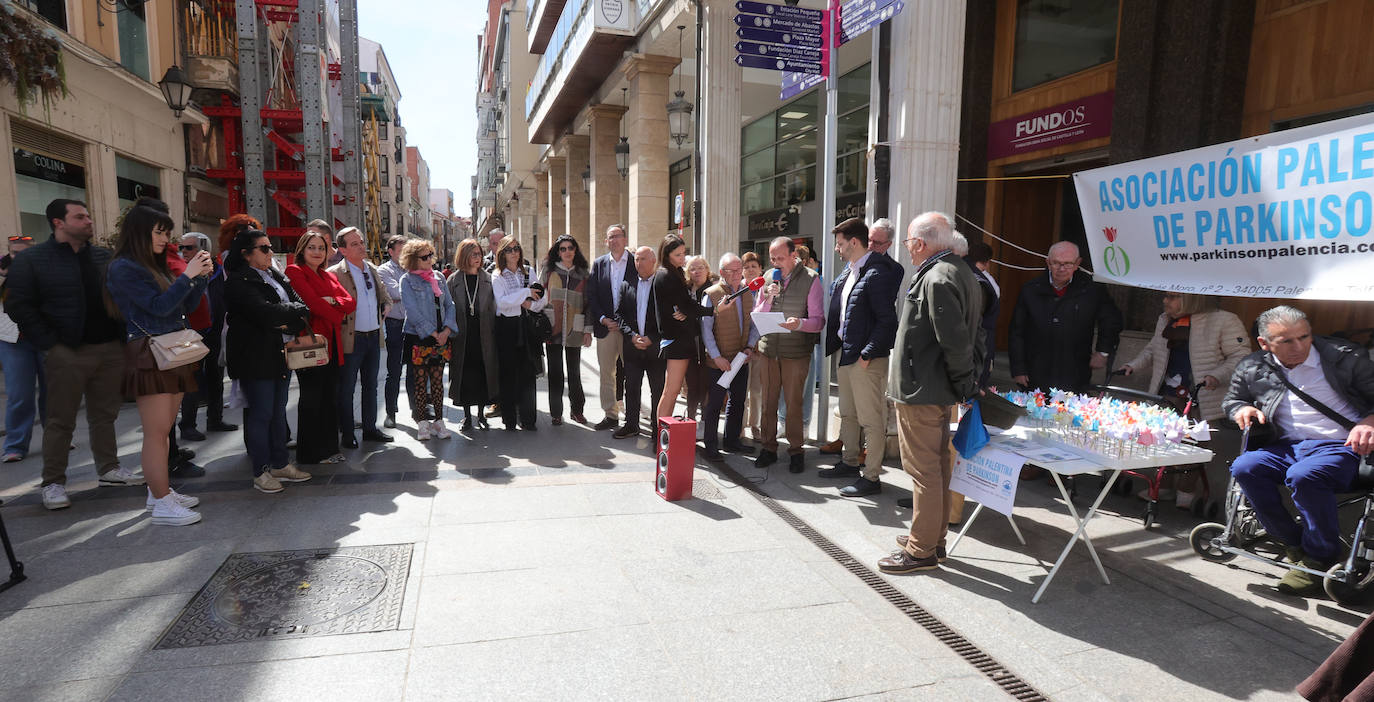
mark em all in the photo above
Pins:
pixel 1081 461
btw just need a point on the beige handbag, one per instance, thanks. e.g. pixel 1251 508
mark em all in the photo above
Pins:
pixel 177 349
pixel 306 351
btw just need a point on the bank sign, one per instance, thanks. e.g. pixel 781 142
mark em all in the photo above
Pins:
pixel 1286 215
pixel 1071 122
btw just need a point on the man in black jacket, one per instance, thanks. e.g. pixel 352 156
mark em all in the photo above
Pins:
pixel 861 328
pixel 638 322
pixel 609 272
pixel 1050 343
pixel 57 297
pixel 1316 396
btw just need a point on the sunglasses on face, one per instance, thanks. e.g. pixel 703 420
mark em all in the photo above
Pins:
pixel 566 248
pixel 427 256
pixel 513 249
pixel 22 239
pixel 265 248
pixel 187 247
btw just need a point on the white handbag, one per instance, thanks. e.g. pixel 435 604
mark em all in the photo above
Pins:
pixel 176 349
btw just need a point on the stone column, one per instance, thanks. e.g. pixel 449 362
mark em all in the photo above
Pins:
pixel 603 124
pixel 9 193
pixel 541 209
pixel 557 213
pixel 647 127
pixel 720 132
pixel 575 150
pixel 925 95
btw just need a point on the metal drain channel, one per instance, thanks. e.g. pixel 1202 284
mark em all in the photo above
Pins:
pixel 996 672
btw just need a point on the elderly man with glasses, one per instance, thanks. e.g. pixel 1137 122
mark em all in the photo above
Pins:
pixel 1050 344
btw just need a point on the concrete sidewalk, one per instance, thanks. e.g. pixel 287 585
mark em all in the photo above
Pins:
pixel 545 567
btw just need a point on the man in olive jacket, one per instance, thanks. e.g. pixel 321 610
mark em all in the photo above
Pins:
pixel 939 356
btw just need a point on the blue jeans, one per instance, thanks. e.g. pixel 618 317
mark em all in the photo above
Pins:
pixel 397 361
pixel 366 358
pixel 1314 471
pixel 23 364
pixel 264 423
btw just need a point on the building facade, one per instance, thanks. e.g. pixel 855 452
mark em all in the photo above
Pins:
pixel 383 94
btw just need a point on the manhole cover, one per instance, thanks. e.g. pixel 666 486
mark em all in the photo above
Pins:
pixel 291 594
pixel 706 490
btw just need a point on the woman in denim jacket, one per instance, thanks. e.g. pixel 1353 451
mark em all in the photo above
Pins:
pixel 153 303
pixel 429 322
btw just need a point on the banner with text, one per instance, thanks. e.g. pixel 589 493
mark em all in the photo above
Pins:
pixel 989 478
pixel 1287 215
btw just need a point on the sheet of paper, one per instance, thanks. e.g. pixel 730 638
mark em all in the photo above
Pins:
pixel 736 363
pixel 769 323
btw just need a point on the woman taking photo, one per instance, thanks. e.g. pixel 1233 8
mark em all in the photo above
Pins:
pixel 317 422
pixel 1194 343
pixel 154 303
pixel 679 320
pixel 699 277
pixel 565 283
pixel 472 372
pixel 519 355
pixel 429 322
pixel 262 313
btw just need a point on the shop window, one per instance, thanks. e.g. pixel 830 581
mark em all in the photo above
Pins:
pixel 853 131
pixel 757 197
pixel 798 116
pixel 54 11
pixel 133 38
pixel 41 179
pixel 852 174
pixel 853 89
pixel 759 134
pixel 795 187
pixel 134 179
pixel 758 166
pixel 1056 38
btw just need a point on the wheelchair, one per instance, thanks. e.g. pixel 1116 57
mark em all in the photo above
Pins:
pixel 1347 582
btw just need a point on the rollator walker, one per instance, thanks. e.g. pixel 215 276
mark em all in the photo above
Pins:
pixel 1347 582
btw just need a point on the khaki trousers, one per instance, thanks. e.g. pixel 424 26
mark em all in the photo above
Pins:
pixel 788 376
pixel 928 458
pixel 95 372
pixel 863 409
pixel 608 351
pixel 755 408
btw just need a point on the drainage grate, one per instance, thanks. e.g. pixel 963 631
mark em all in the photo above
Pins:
pixel 1005 679
pixel 706 490
pixel 296 594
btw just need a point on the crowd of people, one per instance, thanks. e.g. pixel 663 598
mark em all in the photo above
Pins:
pixel 84 323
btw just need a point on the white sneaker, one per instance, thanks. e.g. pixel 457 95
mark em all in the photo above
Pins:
pixel 121 476
pixel 438 430
pixel 186 501
pixel 55 496
pixel 169 511
pixel 423 432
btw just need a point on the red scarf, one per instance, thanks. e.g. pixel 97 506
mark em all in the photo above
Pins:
pixel 428 274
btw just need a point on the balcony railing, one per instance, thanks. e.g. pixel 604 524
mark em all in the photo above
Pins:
pixel 208 29
pixel 569 36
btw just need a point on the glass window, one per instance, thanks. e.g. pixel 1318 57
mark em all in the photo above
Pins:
pixel 797 152
pixel 795 187
pixel 757 197
pixel 133 39
pixel 381 131
pixel 1055 38
pixel 54 11
pixel 134 180
pixel 42 179
pixel 757 166
pixel 680 179
pixel 853 92
pixel 853 131
pixel 759 134
pixel 851 175
pixel 798 116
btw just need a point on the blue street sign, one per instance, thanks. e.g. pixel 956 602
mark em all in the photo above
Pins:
pixel 799 53
pixel 780 24
pixel 851 29
pixel 857 10
pixel 794 84
pixel 814 41
pixel 779 64
pixel 766 8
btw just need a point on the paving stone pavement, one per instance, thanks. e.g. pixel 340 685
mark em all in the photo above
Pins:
pixel 544 567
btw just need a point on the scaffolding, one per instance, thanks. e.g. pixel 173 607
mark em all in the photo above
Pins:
pixel 372 192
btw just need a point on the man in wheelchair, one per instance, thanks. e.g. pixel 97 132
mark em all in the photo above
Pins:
pixel 1308 401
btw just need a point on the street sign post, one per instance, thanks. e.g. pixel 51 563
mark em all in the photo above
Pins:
pixel 794 84
pixel 772 10
pixel 799 53
pixel 782 38
pixel 814 41
pixel 859 16
pixel 781 24
pixel 780 64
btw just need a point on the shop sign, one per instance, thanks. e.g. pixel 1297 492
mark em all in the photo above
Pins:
pixel 774 223
pixel 847 206
pixel 1288 215
pixel 1068 123
pixel 130 189
pixel 613 15
pixel 48 168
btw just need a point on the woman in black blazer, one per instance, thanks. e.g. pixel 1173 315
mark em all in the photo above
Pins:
pixel 679 319
pixel 262 313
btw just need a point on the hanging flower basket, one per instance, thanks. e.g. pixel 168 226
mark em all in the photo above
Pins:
pixel 30 57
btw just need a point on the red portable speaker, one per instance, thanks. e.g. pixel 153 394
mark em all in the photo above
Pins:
pixel 676 446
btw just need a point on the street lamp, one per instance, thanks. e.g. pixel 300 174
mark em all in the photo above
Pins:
pixel 176 89
pixel 622 157
pixel 679 110
pixel 565 196
pixel 587 179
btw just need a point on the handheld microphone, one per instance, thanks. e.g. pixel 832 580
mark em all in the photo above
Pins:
pixel 755 285
pixel 777 275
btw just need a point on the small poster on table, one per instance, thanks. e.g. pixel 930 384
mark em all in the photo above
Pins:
pixel 989 478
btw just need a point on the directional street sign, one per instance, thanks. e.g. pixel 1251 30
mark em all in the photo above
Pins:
pixel 814 41
pixel 767 8
pixel 779 64
pixel 781 24
pixel 781 51
pixel 859 16
pixel 794 84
